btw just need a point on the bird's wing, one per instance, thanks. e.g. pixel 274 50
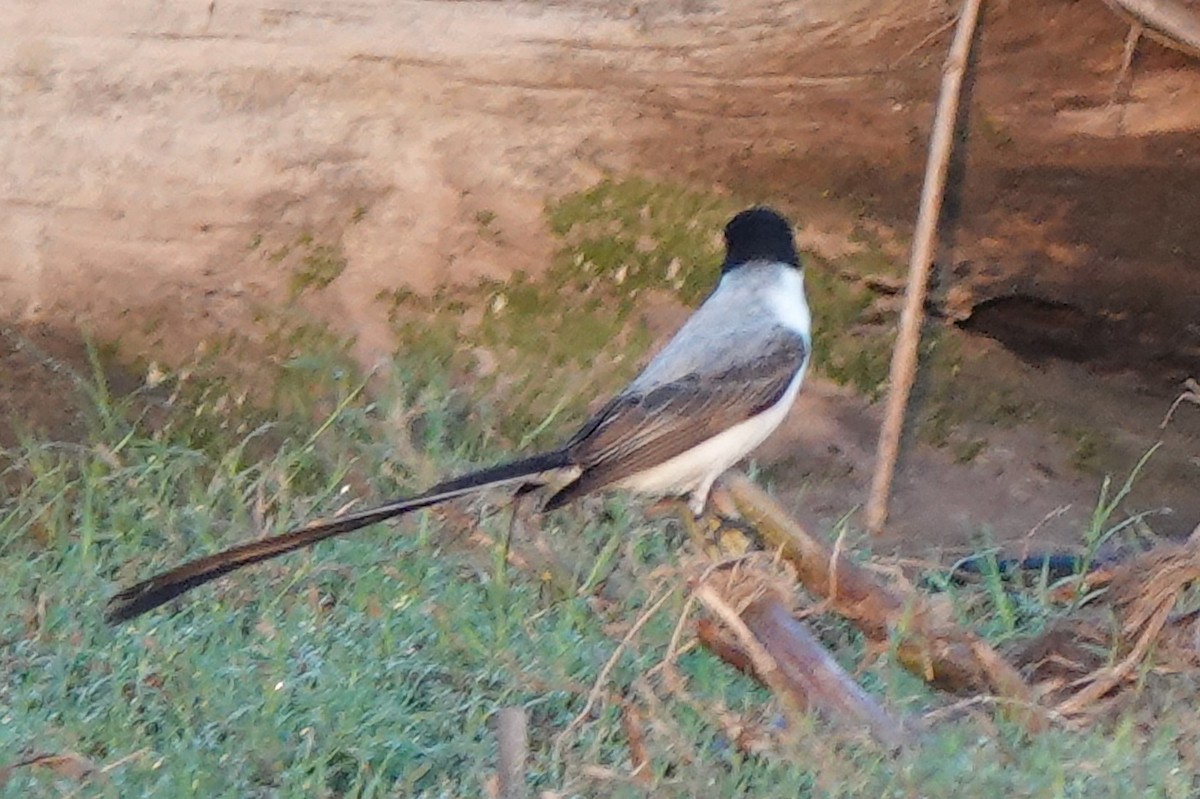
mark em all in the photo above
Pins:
pixel 640 430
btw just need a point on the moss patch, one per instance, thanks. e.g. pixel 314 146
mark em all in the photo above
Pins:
pixel 320 265
pixel 638 234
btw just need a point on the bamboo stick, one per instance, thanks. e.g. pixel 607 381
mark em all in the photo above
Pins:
pixel 904 358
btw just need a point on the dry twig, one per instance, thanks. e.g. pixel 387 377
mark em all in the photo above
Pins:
pixel 933 34
pixel 1190 393
pixel 674 648
pixel 635 733
pixel 602 678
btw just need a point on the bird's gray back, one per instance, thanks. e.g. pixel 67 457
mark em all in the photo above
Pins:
pixel 735 325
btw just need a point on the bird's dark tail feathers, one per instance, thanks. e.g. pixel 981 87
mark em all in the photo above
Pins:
pixel 162 588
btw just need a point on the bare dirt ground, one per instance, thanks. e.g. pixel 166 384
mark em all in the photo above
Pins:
pixel 150 151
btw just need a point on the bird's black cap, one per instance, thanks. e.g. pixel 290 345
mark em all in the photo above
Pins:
pixel 759 234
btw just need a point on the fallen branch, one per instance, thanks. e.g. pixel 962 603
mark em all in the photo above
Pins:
pixel 926 643
pixel 781 652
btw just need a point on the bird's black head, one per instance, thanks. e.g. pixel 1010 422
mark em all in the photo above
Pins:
pixel 759 234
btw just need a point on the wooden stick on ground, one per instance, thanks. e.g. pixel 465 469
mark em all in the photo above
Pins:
pixel 904 358
pixel 929 644
pixel 781 652
pixel 513 743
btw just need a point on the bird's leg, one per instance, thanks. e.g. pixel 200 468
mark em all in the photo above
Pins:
pixel 702 528
pixel 716 530
pixel 734 535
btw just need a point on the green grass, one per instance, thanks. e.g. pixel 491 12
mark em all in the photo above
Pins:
pixel 373 666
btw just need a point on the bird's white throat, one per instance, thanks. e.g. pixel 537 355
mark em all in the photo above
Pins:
pixel 789 303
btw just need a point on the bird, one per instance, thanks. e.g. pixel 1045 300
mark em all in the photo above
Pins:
pixel 707 399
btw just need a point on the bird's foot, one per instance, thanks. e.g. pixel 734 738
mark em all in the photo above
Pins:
pixel 716 534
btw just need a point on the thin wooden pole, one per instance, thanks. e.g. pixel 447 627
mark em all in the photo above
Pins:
pixel 904 357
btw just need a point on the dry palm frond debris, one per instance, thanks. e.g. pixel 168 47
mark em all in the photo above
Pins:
pixel 1132 623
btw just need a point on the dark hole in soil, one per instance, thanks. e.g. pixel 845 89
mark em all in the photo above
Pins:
pixel 1040 330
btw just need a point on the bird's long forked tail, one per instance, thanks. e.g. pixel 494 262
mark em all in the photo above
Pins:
pixel 162 588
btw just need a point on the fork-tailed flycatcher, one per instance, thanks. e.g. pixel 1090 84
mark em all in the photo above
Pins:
pixel 710 396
